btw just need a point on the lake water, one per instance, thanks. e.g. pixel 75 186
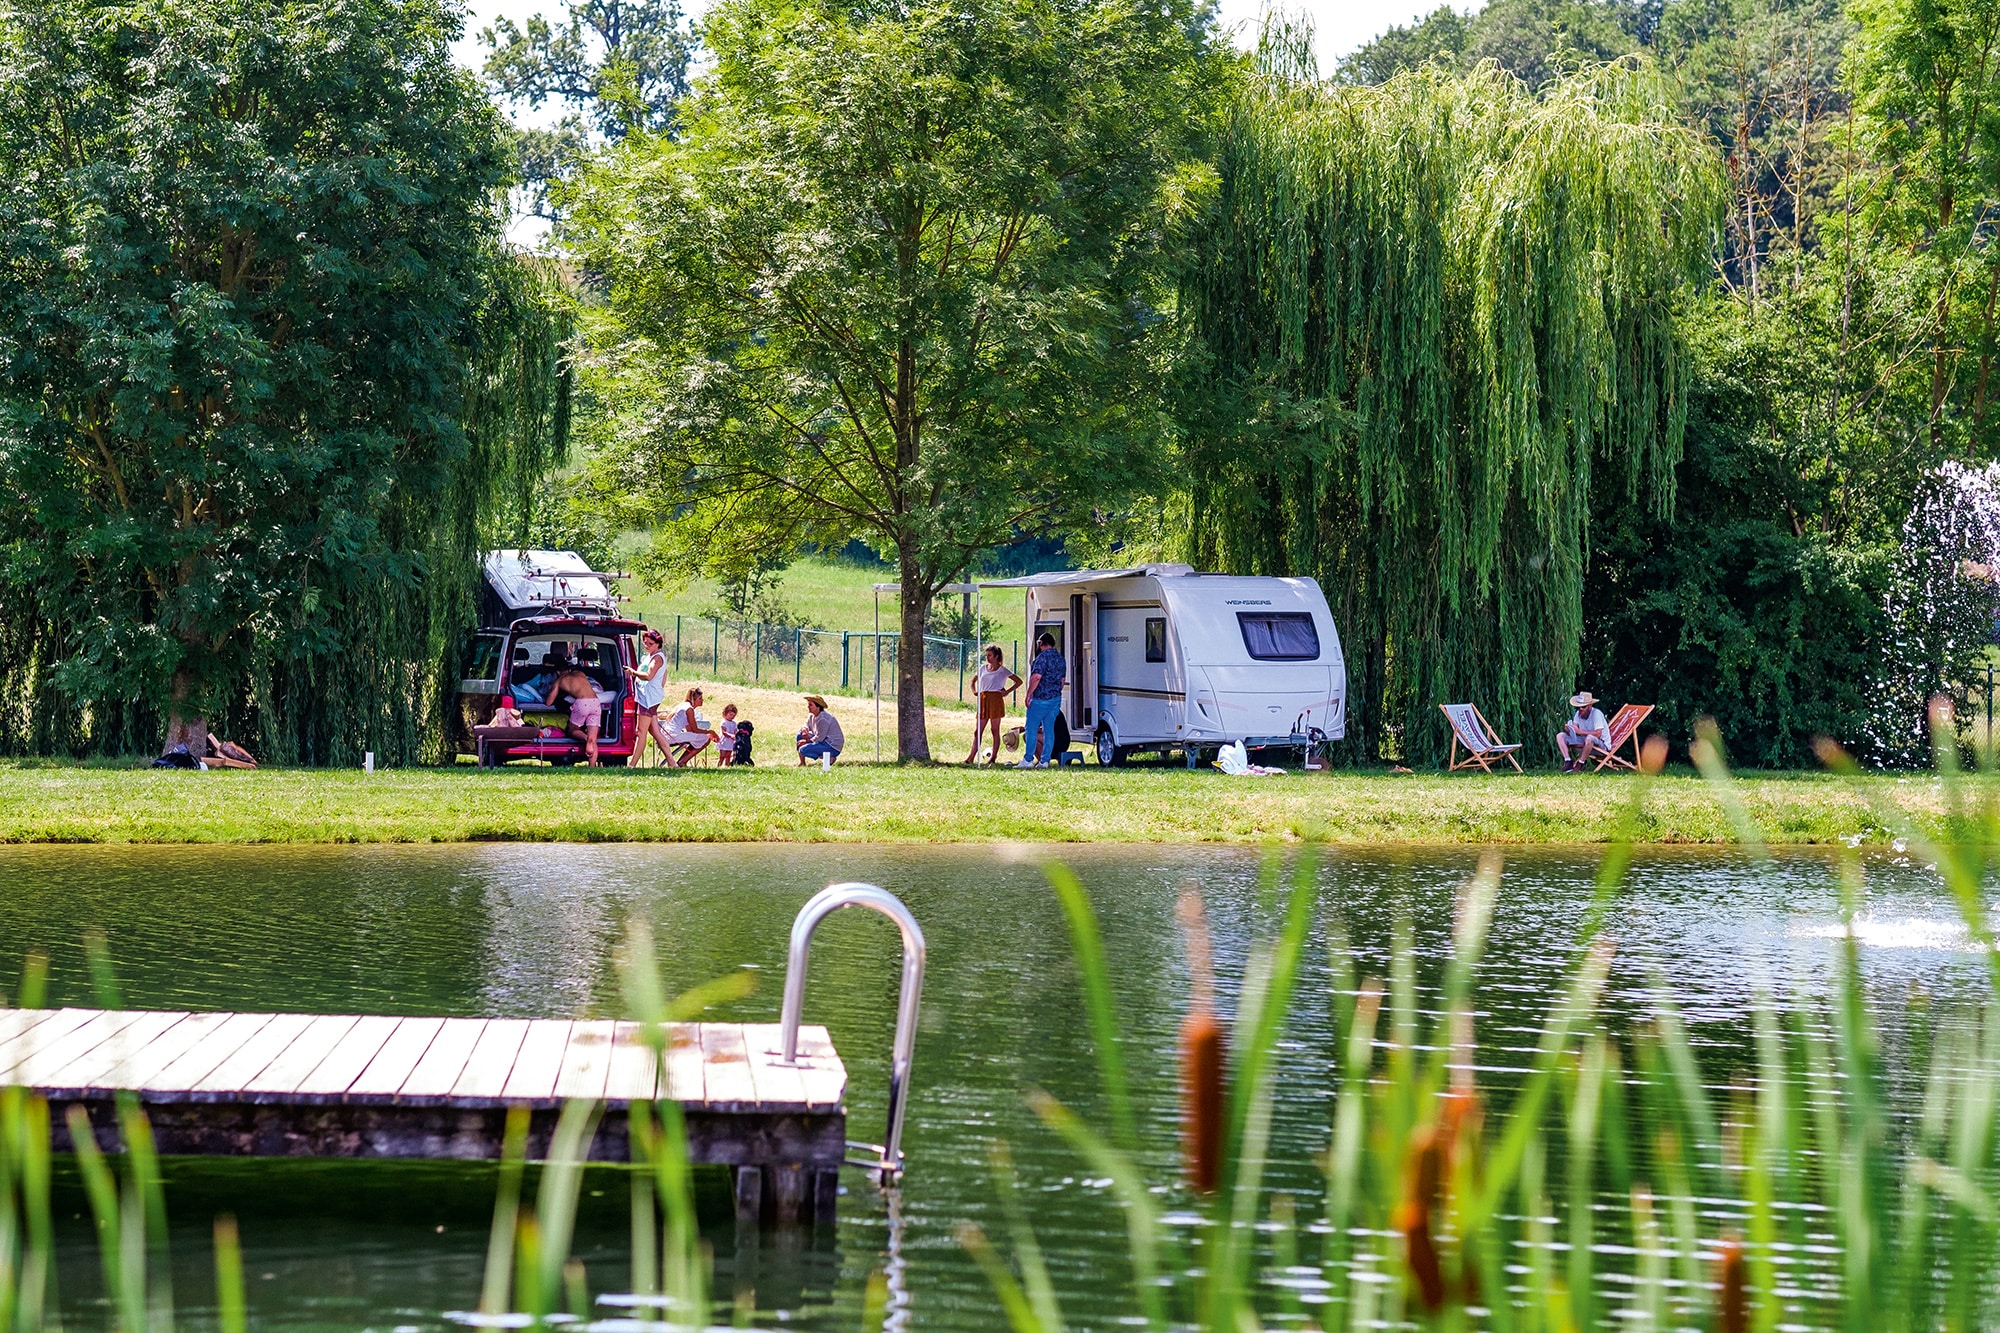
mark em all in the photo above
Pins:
pixel 532 930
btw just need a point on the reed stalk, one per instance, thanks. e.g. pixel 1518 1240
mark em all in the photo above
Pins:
pixel 1617 1184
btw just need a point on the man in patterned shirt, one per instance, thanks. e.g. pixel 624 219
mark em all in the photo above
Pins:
pixel 1046 675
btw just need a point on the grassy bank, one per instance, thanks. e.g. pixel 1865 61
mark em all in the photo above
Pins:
pixel 865 802
pixel 831 594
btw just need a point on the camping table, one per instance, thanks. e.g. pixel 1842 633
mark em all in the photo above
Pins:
pixel 492 740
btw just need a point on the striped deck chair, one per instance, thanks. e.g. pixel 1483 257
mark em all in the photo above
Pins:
pixel 1625 731
pixel 1483 746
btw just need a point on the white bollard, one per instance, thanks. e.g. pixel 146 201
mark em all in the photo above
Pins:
pixel 826 763
pixel 368 762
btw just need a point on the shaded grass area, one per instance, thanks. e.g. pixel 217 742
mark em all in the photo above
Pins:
pixel 884 803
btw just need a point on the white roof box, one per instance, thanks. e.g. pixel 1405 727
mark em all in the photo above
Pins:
pixel 527 582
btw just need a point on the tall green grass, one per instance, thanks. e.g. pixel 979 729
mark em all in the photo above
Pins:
pixel 1613 1187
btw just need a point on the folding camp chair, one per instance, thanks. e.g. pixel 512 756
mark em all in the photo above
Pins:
pixel 1483 746
pixel 1625 731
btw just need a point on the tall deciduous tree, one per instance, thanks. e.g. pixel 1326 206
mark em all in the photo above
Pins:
pixel 268 373
pixel 615 64
pixel 1435 318
pixel 902 276
pixel 1926 80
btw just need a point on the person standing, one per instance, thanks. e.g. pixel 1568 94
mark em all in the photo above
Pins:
pixel 649 691
pixel 1046 677
pixel 725 751
pixel 822 737
pixel 1588 731
pixel 991 684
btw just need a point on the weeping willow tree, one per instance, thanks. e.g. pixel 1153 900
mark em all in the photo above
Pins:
pixel 1431 319
pixel 269 377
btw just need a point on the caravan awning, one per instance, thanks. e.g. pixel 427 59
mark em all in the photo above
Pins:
pixel 1058 577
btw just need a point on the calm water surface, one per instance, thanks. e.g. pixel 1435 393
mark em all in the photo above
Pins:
pixel 531 931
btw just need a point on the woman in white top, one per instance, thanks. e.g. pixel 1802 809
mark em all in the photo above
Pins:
pixel 649 690
pixel 992 683
pixel 685 731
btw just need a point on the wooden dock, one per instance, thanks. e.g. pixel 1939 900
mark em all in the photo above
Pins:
pixel 356 1085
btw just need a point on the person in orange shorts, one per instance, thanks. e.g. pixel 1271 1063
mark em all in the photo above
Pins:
pixel 993 682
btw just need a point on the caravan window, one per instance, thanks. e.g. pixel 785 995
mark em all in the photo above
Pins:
pixel 1156 639
pixel 1279 636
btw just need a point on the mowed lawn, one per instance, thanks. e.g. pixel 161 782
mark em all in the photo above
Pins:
pixel 868 802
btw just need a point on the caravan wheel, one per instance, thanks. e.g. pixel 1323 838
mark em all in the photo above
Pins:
pixel 1109 753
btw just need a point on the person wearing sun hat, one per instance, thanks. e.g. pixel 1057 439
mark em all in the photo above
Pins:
pixel 821 739
pixel 1587 731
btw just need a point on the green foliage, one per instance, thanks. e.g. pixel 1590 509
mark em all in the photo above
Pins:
pixel 1926 81
pixel 1750 601
pixel 617 64
pixel 1534 40
pixel 270 377
pixel 900 279
pixel 1432 320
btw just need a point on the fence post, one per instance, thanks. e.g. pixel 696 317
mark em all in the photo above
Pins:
pixel 961 670
pixel 1017 656
pixel 677 645
pixel 1989 707
pixel 798 657
pixel 757 671
pixel 843 661
pixel 715 650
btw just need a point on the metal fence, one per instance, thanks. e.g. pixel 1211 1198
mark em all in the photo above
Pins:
pixel 751 652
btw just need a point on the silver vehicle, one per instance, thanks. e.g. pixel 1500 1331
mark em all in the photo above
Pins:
pixel 1163 658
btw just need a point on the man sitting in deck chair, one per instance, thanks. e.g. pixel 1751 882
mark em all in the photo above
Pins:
pixel 1587 731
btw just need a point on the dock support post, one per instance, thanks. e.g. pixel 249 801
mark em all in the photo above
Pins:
pixel 825 1200
pixel 790 1199
pixel 749 1193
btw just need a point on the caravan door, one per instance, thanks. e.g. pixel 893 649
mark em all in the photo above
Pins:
pixel 1080 702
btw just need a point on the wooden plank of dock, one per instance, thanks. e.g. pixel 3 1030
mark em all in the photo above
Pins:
pixel 365 1085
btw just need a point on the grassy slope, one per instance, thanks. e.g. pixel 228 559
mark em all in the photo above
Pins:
pixel 885 803
pixel 830 594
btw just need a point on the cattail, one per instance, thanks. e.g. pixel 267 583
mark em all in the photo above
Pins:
pixel 1423 1176
pixel 1653 755
pixel 1204 1077
pixel 1731 1314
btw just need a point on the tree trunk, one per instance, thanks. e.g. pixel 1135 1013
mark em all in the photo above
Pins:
pixel 183 723
pixel 912 738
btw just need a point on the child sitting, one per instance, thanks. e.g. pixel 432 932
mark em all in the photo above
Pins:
pixel 506 715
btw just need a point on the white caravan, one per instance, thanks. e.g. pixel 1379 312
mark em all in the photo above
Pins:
pixel 1163 658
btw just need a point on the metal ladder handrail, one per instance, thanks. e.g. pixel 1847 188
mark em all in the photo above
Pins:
pixel 888 1159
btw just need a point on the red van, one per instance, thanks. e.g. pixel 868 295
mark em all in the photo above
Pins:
pixel 539 611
